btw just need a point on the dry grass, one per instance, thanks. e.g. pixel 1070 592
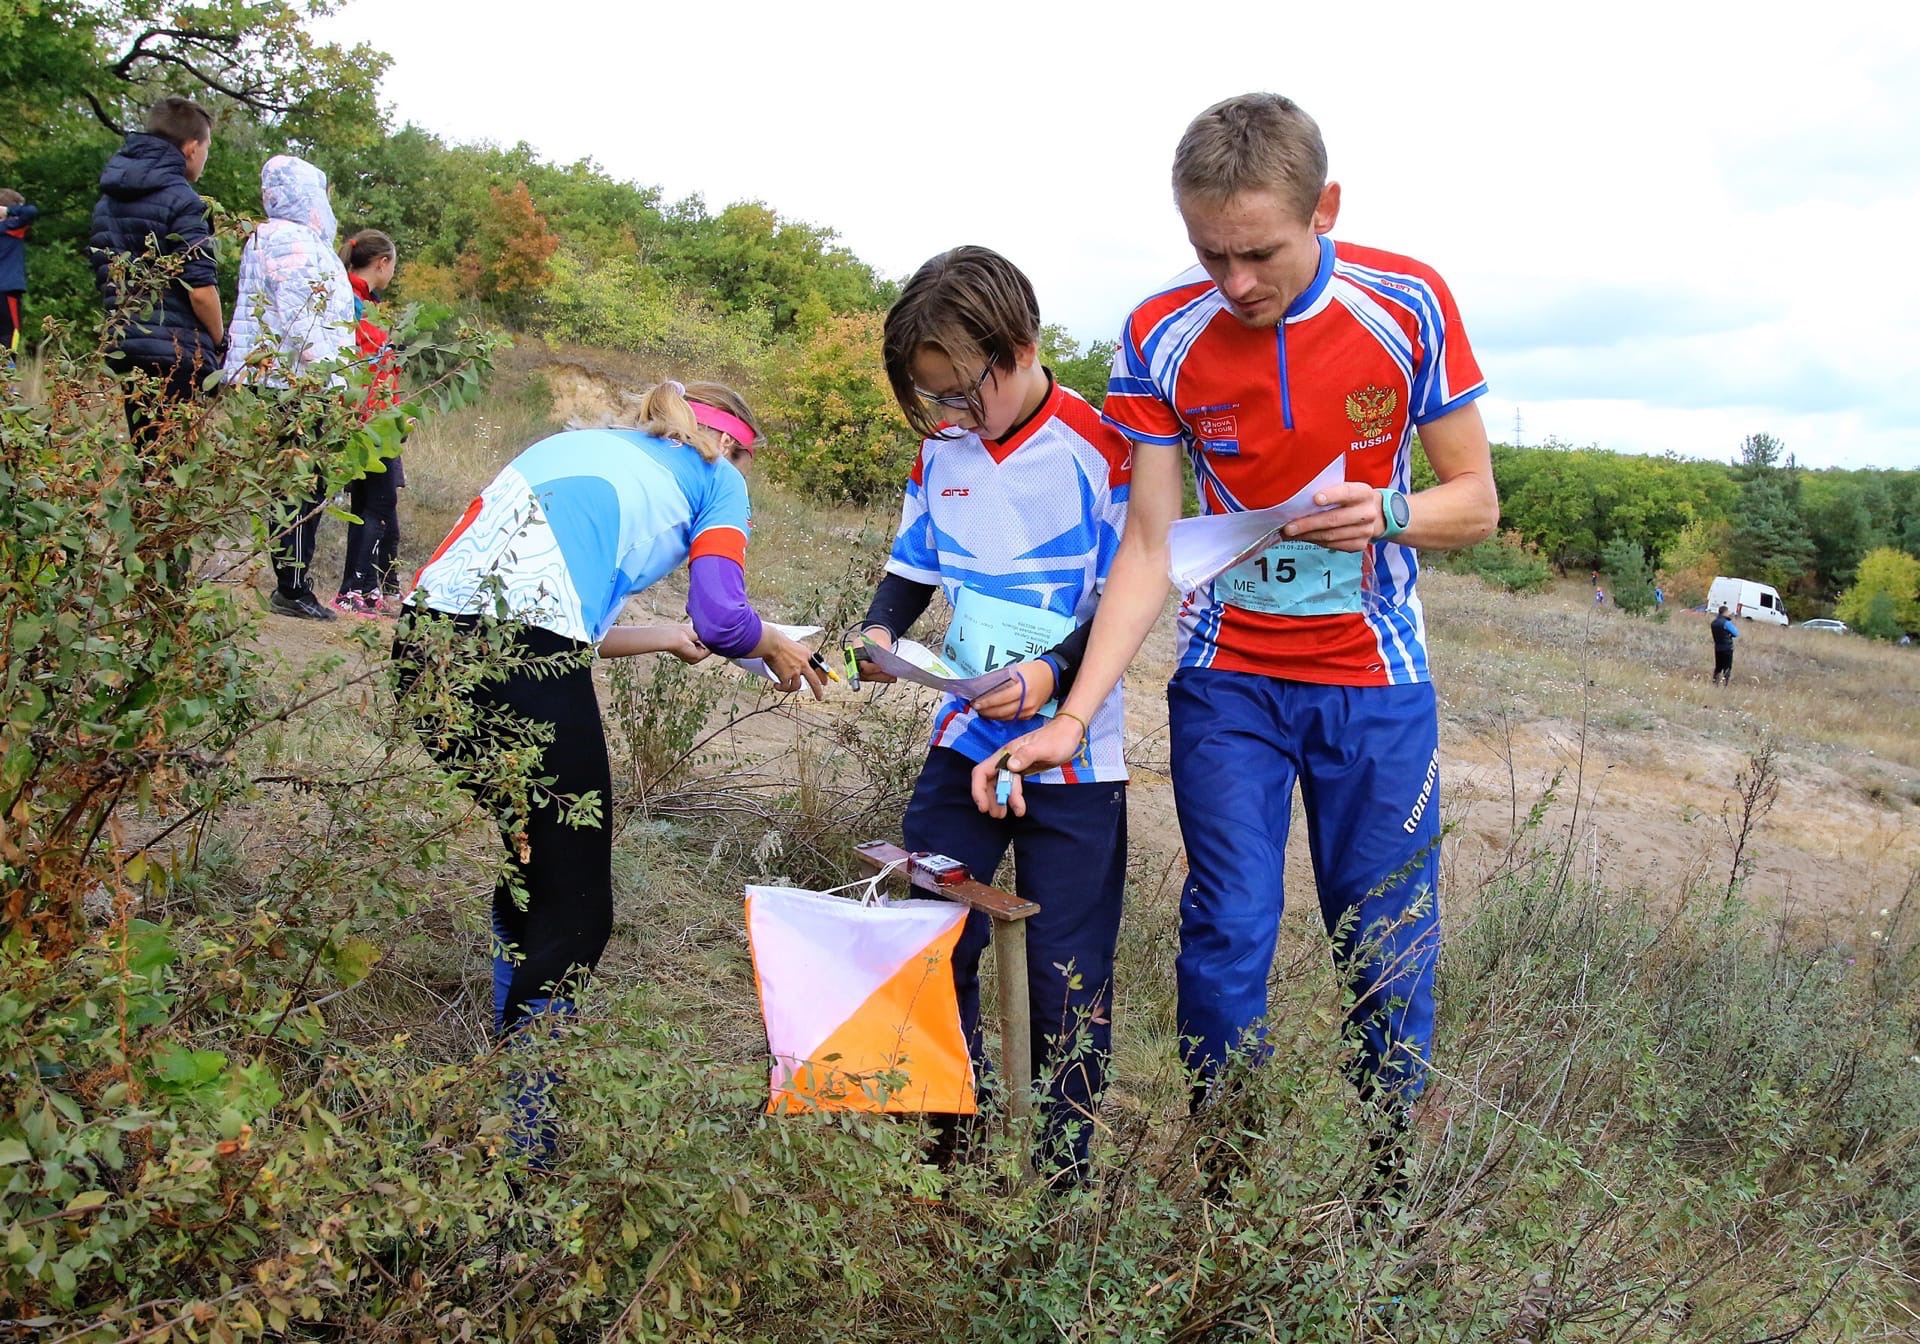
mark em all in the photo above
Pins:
pixel 1568 683
pixel 1558 656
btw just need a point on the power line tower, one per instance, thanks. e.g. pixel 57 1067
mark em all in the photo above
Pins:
pixel 1518 442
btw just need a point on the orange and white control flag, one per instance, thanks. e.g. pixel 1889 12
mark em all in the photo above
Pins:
pixel 859 996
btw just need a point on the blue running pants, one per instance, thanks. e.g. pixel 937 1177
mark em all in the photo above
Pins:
pixel 1366 759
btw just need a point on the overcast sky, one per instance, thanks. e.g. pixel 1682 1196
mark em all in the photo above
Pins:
pixel 1667 225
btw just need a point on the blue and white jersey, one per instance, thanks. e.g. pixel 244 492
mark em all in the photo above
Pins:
pixel 1030 525
pixel 580 521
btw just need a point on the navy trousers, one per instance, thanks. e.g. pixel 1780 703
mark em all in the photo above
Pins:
pixel 1366 759
pixel 1070 851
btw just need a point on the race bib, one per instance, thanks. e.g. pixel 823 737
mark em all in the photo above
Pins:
pixel 1295 578
pixel 990 632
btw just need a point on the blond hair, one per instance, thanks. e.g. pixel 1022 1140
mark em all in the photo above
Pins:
pixel 663 411
pixel 1253 142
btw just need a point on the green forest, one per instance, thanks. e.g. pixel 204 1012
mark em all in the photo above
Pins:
pixel 569 254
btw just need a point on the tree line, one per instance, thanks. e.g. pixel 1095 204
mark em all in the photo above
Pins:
pixel 563 251
pixel 570 252
pixel 1678 521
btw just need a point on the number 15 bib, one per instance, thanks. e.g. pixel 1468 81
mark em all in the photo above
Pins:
pixel 1295 578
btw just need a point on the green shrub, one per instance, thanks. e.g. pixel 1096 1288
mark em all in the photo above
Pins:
pixel 1505 560
pixel 1629 576
pixel 842 437
pixel 622 304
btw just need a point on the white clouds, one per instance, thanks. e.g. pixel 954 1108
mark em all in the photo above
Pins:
pixel 1661 220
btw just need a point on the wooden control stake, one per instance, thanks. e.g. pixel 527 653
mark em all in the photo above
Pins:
pixel 1009 914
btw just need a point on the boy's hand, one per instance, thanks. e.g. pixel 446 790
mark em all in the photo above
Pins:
pixel 1054 744
pixel 1017 698
pixel 868 672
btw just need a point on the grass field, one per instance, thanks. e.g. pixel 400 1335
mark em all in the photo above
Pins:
pixel 1673 1097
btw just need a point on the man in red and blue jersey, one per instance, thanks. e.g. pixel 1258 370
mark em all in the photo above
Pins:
pixel 1281 354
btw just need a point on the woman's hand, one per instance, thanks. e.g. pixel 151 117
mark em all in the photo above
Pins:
pixel 685 645
pixel 624 641
pixel 868 672
pixel 790 661
pixel 1021 696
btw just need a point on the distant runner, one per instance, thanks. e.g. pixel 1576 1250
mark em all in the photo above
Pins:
pixel 1723 636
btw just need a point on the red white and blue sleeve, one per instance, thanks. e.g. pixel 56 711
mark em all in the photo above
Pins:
pixel 1446 376
pixel 1136 405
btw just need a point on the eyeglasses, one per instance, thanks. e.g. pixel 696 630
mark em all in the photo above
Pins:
pixel 959 401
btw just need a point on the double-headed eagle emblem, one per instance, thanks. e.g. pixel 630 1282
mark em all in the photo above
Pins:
pixel 1371 410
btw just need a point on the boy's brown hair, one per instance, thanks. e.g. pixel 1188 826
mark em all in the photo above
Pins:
pixel 971 305
pixel 1253 142
pixel 179 120
pixel 9 197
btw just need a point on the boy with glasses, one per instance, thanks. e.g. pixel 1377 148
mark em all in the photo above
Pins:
pixel 1014 510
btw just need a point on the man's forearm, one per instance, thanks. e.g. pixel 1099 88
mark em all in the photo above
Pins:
pixel 206 307
pixel 1461 512
pixel 1136 590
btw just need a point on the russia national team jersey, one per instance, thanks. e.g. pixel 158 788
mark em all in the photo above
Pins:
pixel 1371 350
pixel 578 522
pixel 1033 521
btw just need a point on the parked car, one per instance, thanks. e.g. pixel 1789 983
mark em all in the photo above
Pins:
pixel 1747 600
pixel 1822 623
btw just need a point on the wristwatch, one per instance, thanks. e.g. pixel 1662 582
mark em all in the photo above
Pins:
pixel 1394 512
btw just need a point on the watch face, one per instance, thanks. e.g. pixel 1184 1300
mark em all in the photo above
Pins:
pixel 1401 513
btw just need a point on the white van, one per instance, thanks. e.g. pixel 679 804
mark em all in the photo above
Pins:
pixel 1746 599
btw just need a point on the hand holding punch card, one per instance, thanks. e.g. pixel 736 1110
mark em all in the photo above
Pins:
pixel 910 661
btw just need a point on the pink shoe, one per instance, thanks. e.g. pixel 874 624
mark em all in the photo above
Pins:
pixel 352 604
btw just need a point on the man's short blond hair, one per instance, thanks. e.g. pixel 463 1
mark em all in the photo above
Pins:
pixel 1253 142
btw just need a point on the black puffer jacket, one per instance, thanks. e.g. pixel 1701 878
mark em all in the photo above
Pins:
pixel 148 204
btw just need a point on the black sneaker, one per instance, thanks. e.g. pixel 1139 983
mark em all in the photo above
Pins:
pixel 303 606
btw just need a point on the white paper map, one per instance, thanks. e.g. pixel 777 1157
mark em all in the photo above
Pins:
pixel 757 667
pixel 920 665
pixel 1200 550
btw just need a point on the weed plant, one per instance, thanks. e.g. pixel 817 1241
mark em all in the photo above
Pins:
pixel 249 1090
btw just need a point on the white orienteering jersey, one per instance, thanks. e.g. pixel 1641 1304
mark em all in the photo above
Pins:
pixel 1019 536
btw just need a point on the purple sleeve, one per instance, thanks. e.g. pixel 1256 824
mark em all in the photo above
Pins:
pixel 717 602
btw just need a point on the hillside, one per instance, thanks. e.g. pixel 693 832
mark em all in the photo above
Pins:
pixel 1586 761
pixel 248 994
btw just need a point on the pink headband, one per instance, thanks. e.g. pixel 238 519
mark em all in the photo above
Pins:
pixel 715 418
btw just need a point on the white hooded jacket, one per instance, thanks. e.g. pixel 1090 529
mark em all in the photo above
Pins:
pixel 295 299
